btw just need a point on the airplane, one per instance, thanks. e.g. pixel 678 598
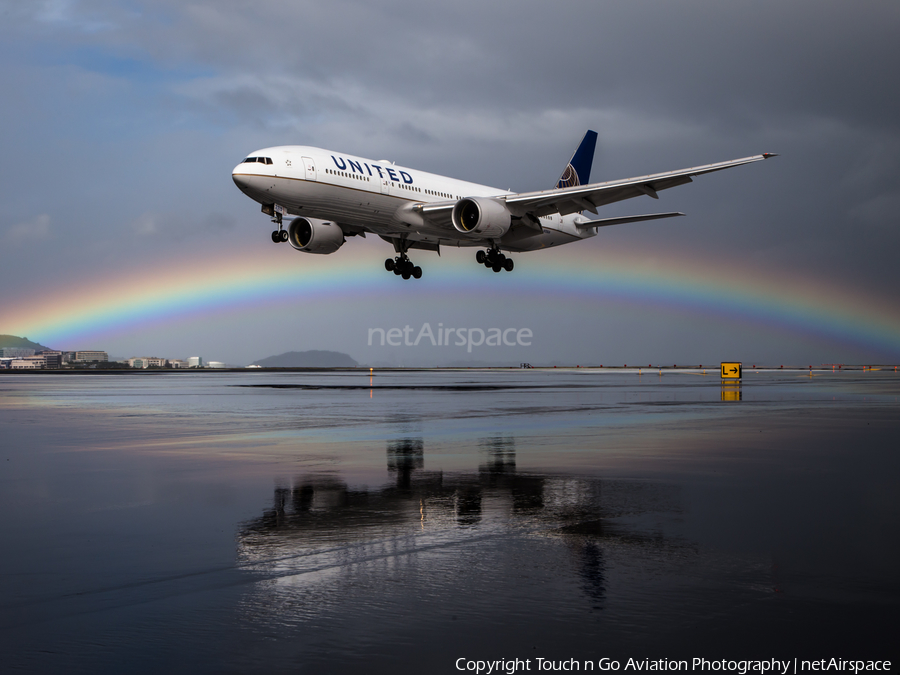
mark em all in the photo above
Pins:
pixel 333 196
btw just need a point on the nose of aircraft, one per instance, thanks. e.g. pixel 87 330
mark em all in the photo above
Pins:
pixel 240 179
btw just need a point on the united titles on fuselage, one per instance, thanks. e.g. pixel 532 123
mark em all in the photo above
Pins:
pixel 357 167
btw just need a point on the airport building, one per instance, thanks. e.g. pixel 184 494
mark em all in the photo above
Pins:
pixel 15 352
pixel 91 357
pixel 45 359
pixel 195 362
pixel 23 364
pixel 28 363
pixel 147 362
pixel 53 359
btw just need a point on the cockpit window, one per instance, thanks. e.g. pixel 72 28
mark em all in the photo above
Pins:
pixel 261 160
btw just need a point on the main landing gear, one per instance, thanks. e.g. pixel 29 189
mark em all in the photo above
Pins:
pixel 493 259
pixel 402 266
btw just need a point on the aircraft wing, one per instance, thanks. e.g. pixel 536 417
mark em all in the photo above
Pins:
pixel 589 197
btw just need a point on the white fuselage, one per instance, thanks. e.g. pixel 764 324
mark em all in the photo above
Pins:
pixel 362 195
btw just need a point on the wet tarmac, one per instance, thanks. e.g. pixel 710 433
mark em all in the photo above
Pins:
pixel 336 523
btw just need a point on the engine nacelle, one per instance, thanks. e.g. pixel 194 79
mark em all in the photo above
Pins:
pixel 481 217
pixel 312 235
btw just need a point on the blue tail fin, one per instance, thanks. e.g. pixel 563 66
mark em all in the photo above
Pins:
pixel 578 171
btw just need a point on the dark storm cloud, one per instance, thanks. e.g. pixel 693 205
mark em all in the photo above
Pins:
pixel 730 65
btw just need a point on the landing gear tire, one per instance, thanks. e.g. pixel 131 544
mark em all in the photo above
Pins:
pixel 402 266
pixel 283 235
pixel 276 237
pixel 493 259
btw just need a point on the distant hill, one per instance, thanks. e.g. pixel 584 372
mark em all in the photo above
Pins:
pixel 20 343
pixel 314 358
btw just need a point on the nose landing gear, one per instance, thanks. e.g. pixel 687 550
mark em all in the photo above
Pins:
pixel 279 236
pixel 403 266
pixel 495 260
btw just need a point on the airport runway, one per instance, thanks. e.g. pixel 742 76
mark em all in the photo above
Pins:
pixel 337 523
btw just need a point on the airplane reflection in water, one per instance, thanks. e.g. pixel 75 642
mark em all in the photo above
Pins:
pixel 320 527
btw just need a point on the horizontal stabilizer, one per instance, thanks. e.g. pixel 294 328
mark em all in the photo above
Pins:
pixel 603 222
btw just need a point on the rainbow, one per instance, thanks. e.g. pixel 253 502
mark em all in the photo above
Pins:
pixel 93 309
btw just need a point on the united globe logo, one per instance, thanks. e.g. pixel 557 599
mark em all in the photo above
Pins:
pixel 569 178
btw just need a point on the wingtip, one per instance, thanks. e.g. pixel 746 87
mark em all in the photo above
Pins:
pixel 766 155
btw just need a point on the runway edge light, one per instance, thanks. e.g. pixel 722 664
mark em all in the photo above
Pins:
pixel 731 371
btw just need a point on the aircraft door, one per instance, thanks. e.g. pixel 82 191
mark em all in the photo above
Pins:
pixel 385 186
pixel 309 168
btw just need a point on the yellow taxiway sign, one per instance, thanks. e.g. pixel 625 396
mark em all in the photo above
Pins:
pixel 731 371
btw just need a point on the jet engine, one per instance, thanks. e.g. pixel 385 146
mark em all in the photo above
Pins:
pixel 312 235
pixel 482 217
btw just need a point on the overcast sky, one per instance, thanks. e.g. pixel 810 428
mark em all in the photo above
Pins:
pixel 123 120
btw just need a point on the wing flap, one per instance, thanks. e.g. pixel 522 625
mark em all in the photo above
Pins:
pixel 604 222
